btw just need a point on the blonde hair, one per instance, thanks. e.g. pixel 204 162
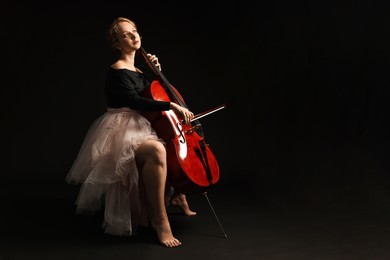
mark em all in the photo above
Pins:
pixel 112 31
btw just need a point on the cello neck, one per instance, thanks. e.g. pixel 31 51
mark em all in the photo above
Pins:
pixel 162 79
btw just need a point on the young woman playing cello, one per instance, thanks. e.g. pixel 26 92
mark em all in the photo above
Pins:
pixel 122 161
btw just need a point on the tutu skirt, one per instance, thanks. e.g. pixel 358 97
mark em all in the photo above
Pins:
pixel 106 169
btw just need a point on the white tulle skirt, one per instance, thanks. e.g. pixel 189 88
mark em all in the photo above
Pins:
pixel 106 169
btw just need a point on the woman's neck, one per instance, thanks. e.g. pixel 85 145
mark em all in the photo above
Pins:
pixel 128 60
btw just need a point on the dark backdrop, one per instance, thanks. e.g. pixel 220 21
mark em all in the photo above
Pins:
pixel 305 82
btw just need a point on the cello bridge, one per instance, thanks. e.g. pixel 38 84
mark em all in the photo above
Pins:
pixel 192 129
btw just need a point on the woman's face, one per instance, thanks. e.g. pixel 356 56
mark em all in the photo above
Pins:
pixel 128 37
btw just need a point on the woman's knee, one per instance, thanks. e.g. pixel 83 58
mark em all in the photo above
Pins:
pixel 158 152
pixel 153 151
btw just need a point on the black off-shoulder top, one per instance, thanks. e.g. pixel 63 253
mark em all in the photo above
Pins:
pixel 124 87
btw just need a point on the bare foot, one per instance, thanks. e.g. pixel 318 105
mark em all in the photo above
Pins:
pixel 165 235
pixel 180 201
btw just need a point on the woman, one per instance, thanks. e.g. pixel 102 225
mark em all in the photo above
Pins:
pixel 122 162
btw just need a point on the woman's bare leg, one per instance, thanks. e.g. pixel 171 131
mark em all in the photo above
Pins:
pixel 151 158
pixel 180 200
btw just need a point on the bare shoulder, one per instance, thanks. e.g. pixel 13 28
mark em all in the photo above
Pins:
pixel 122 65
pixel 117 65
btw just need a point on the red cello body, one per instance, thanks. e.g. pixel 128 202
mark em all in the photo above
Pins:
pixel 192 166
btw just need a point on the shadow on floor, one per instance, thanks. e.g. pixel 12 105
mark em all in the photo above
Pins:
pixel 39 223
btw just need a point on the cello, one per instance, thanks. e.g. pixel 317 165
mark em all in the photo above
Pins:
pixel 192 166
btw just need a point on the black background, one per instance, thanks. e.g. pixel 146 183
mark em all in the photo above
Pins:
pixel 306 84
